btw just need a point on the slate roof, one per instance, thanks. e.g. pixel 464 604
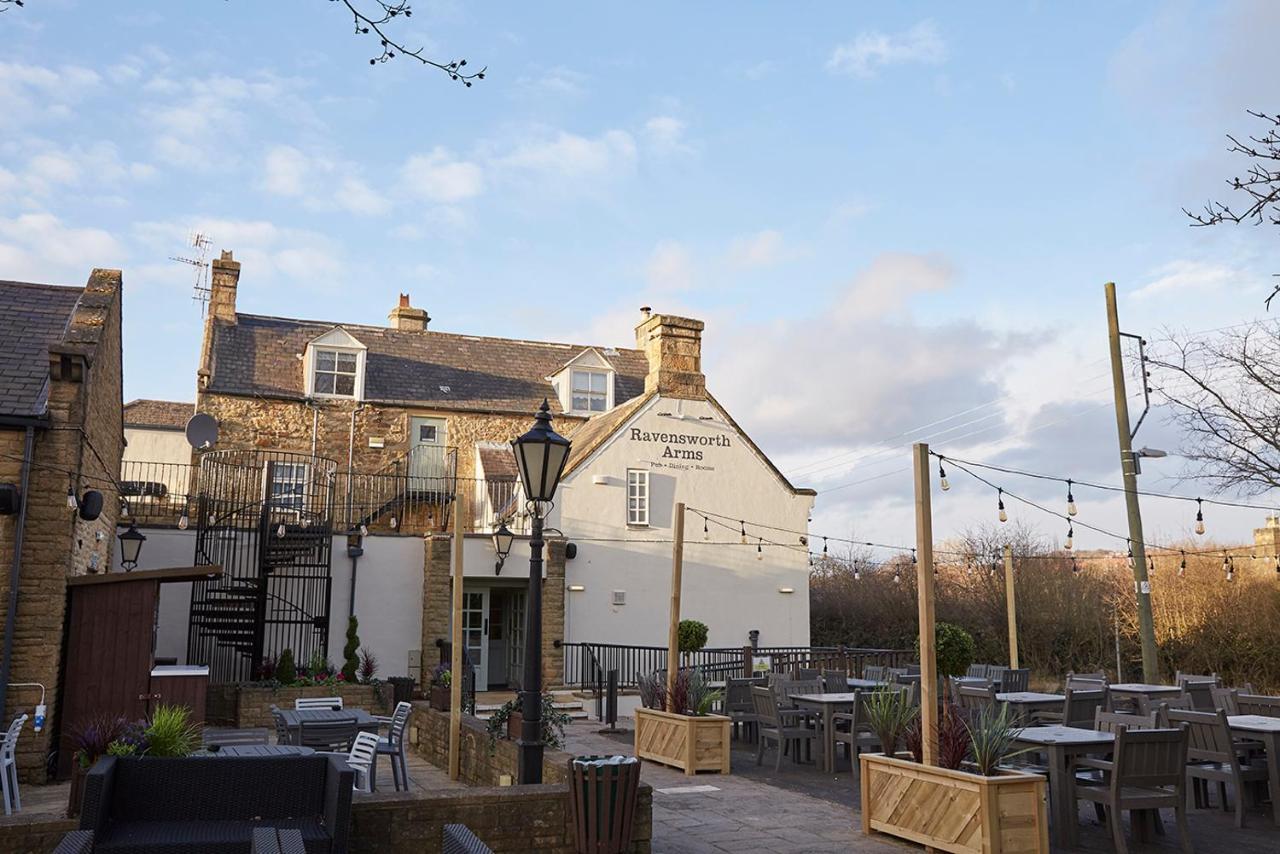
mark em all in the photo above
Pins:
pixel 258 355
pixel 33 318
pixel 162 414
pixel 498 462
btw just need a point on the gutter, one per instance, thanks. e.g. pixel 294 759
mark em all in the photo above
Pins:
pixel 11 615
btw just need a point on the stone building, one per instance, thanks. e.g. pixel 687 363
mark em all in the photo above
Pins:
pixel 61 435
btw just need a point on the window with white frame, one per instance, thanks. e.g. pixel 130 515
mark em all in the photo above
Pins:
pixel 289 486
pixel 335 372
pixel 637 497
pixel 589 391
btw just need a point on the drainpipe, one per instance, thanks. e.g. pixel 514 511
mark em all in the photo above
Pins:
pixel 11 616
pixel 355 558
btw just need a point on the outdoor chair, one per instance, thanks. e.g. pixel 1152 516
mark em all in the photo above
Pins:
pixel 779 725
pixel 739 707
pixel 995 672
pixel 282 731
pixel 975 699
pixel 1089 676
pixel 1225 699
pixel 1113 722
pixel 1078 708
pixel 364 749
pixel 304 703
pixel 1180 679
pixel 162 804
pixel 976 671
pixel 1257 704
pixel 1085 683
pixel 1201 694
pixel 806 674
pixel 393 745
pixel 9 766
pixel 835 681
pixel 1213 755
pixel 896 674
pixel 458 839
pixel 1147 772
pixel 331 736
pixel 228 737
pixel 1012 680
pixel 913 670
pixel 76 842
pixel 1147 705
pixel 874 672
pixel 853 731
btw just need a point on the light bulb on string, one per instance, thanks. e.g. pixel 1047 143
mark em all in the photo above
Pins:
pixel 1069 543
pixel 72 504
pixel 706 532
pixel 280 531
pixel 364 530
pixel 1199 517
pixel 743 526
pixel 1071 501
pixel 810 559
pixel 1151 566
pixel 1004 517
pixel 760 549
pixel 857 573
pixel 897 576
pixel 824 546
pixel 1228 566
pixel 1182 565
pixel 393 522
pixel 183 522
pixel 942 476
pixel 1277 564
pixel 1075 567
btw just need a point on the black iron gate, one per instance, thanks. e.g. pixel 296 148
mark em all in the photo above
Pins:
pixel 267 518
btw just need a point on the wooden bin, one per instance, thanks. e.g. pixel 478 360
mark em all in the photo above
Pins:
pixel 689 743
pixel 954 810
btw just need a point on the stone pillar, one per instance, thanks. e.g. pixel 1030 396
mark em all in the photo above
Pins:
pixel 553 615
pixel 436 563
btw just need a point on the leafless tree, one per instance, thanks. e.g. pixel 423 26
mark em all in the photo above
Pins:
pixel 1224 393
pixel 1260 183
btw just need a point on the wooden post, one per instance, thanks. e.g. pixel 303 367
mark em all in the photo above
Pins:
pixel 924 595
pixel 673 633
pixel 1011 603
pixel 455 638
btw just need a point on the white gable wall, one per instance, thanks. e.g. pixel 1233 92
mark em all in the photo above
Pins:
pixel 725 586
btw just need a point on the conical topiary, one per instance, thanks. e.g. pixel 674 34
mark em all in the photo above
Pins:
pixel 286 671
pixel 351 652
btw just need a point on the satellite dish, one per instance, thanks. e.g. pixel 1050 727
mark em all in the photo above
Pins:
pixel 202 431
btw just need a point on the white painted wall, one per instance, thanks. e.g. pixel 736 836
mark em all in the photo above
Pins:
pixel 725 586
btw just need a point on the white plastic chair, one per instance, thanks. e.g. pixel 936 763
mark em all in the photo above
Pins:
pixel 363 751
pixel 303 703
pixel 9 766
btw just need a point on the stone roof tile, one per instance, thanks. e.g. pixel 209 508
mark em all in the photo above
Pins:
pixel 33 318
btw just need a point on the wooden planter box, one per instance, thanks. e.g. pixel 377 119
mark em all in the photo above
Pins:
pixel 439 696
pixel 689 743
pixel 954 810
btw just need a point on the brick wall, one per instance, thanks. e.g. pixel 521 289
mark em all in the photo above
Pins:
pixel 250 705
pixel 437 584
pixel 84 395
pixel 511 818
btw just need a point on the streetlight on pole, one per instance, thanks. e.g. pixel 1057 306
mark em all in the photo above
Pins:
pixel 540 456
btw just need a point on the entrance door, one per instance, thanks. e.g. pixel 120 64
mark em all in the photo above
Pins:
pixel 427 444
pixel 515 637
pixel 475 632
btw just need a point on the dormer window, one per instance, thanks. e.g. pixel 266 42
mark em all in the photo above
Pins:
pixel 590 391
pixel 335 366
pixel 335 373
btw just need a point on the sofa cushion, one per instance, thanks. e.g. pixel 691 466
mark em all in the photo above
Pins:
pixel 218 788
pixel 202 837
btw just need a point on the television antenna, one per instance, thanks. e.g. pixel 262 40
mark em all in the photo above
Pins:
pixel 200 243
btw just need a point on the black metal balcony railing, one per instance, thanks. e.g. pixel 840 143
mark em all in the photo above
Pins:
pixel 412 495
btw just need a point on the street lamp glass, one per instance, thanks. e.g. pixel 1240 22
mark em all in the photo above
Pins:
pixel 131 546
pixel 502 540
pixel 540 456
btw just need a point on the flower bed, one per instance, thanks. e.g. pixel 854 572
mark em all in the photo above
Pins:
pixel 249 704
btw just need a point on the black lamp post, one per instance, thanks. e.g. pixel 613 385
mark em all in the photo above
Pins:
pixel 502 540
pixel 540 455
pixel 130 547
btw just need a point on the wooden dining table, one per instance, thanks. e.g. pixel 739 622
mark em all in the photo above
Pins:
pixel 1266 730
pixel 1062 744
pixel 828 705
pixel 1133 690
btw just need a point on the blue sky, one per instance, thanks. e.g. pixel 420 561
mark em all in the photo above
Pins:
pixel 886 215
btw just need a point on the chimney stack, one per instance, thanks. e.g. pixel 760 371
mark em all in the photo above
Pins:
pixel 224 277
pixel 673 346
pixel 408 318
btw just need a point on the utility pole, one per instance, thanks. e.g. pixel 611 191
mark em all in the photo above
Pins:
pixel 1129 470
pixel 924 597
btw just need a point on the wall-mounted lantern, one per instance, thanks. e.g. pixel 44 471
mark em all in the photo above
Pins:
pixel 502 540
pixel 130 547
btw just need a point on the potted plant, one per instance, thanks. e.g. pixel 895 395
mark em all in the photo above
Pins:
pixel 440 689
pixel 954 649
pixel 691 636
pixel 966 803
pixel 508 718
pixel 688 737
pixel 90 742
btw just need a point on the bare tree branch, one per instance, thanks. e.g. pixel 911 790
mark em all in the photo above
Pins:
pixel 384 13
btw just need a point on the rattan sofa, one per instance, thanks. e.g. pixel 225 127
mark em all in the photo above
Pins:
pixel 213 804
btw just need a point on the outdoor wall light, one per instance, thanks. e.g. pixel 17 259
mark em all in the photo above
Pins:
pixel 576 588
pixel 786 590
pixel 502 540
pixel 130 547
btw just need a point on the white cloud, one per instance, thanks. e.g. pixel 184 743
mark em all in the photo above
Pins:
pixel 558 81
pixel 1185 278
pixel 285 171
pixel 440 177
pixel 318 181
pixel 872 50
pixel 756 250
pixel 670 267
pixel 49 168
pixel 569 156
pixel 39 247
pixel 33 92
pixel 666 134
pixel 891 279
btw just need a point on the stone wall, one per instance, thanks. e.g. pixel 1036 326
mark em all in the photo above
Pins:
pixel 250 705
pixel 81 450
pixel 437 584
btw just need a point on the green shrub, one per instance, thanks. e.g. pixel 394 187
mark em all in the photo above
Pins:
pixel 351 652
pixel 171 732
pixel 691 635
pixel 286 670
pixel 953 647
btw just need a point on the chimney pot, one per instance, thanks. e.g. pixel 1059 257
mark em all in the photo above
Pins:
pixel 645 311
pixel 407 318
pixel 673 347
pixel 224 278
pixel 404 300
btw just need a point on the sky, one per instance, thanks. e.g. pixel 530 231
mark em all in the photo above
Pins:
pixel 896 220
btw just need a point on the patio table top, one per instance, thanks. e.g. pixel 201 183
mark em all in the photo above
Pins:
pixel 825 699
pixel 865 683
pixel 1062 735
pixel 1144 688
pixel 1018 697
pixel 1254 723
pixel 264 750
pixel 293 718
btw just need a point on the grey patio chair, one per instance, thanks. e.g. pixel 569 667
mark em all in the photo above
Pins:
pixel 1181 678
pixel 874 672
pixel 328 736
pixel 1078 708
pixel 835 681
pixel 779 725
pixel 896 673
pixel 283 736
pixel 806 674
pixel 974 698
pixel 853 730
pixel 1225 699
pixel 230 737
pixel 1089 675
pixel 1147 705
pixel 1257 704
pixel 1014 680
pixel 393 745
pixel 1147 772
pixel 1201 694
pixel 976 671
pixel 995 672
pixel 913 670
pixel 1113 722
pixel 1212 755
pixel 739 707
